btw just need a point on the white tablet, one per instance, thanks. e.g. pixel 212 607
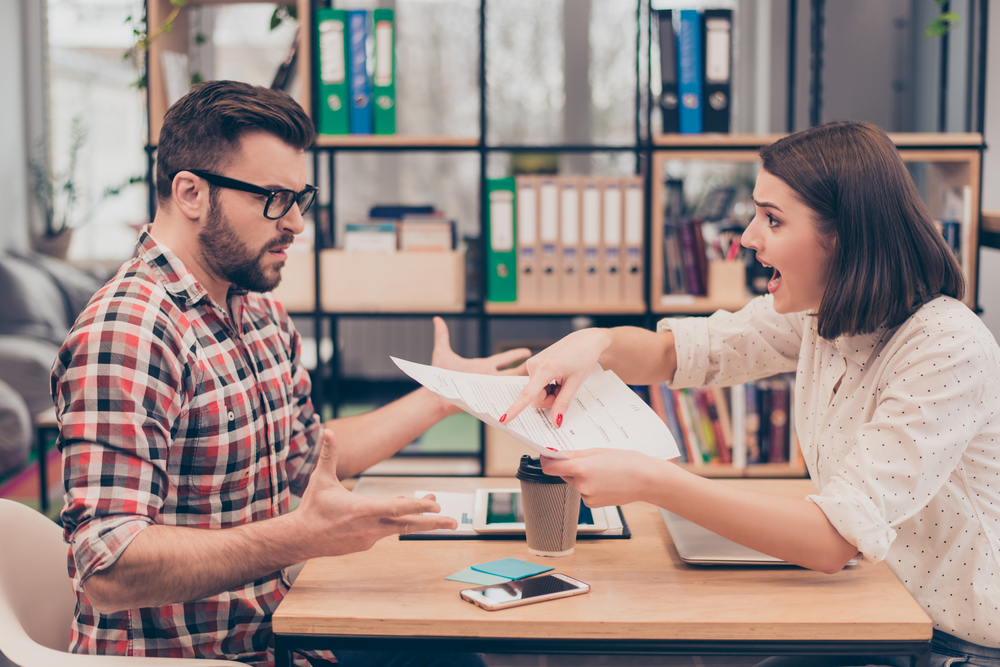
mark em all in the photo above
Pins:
pixel 500 511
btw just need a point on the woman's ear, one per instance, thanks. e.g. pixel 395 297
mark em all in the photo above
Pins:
pixel 190 195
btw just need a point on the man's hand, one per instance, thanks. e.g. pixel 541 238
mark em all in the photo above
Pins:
pixel 340 522
pixel 498 364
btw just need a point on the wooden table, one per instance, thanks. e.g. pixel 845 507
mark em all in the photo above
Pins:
pixel 643 598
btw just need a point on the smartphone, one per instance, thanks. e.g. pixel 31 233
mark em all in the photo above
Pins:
pixel 524 591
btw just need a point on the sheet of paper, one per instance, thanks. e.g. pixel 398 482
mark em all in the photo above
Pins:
pixel 459 506
pixel 511 568
pixel 604 412
pixel 470 576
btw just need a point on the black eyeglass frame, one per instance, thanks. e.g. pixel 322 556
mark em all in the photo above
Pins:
pixel 242 186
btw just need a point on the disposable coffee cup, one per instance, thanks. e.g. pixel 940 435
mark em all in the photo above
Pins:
pixel 551 510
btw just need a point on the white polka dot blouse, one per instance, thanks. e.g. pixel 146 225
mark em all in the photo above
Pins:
pixel 900 430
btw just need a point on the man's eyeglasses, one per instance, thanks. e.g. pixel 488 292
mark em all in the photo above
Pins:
pixel 279 202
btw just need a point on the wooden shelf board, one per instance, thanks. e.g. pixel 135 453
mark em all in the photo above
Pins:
pixel 714 140
pixel 698 305
pixel 901 139
pixel 515 308
pixel 991 221
pixel 392 140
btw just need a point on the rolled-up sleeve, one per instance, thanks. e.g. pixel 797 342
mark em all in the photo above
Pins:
pixel 729 348
pixel 116 384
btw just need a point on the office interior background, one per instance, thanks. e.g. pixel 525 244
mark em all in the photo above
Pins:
pixel 558 72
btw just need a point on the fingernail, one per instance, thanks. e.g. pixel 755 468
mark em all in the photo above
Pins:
pixel 503 418
pixel 558 420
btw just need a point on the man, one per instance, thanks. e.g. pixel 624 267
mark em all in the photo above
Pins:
pixel 184 407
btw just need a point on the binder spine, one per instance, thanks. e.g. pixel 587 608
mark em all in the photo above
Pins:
pixel 669 100
pixel 331 67
pixel 527 240
pixel 717 46
pixel 384 79
pixel 361 84
pixel 501 278
pixel 689 77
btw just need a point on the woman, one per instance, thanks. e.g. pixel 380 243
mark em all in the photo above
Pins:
pixel 897 388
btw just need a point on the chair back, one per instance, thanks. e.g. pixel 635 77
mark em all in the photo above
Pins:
pixel 37 601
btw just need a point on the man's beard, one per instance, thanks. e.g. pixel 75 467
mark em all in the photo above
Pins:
pixel 231 259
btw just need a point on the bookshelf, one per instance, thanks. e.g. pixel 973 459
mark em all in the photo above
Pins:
pixel 940 161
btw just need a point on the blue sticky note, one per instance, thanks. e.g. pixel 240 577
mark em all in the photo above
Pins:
pixel 470 576
pixel 512 568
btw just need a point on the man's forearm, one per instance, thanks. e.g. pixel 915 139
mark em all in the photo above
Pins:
pixel 170 564
pixel 366 439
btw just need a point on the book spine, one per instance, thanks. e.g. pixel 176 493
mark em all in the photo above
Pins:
pixel 688 250
pixel 779 423
pixel 672 421
pixel 684 417
pixel 751 423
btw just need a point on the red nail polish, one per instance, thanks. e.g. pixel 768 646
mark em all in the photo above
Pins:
pixel 503 418
pixel 558 420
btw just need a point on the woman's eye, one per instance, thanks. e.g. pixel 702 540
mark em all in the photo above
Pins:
pixel 771 222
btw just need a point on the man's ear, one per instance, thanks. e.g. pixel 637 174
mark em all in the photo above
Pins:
pixel 190 195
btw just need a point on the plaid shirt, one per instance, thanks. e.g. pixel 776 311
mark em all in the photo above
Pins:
pixel 171 413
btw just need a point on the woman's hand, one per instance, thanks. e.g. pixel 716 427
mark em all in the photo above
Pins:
pixel 605 477
pixel 557 373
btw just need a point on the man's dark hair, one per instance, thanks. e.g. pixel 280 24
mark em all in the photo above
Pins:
pixel 203 129
pixel 888 257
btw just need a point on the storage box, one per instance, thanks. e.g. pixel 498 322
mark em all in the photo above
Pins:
pixel 398 282
pixel 297 289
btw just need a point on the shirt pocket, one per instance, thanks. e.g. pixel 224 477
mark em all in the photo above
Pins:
pixel 219 450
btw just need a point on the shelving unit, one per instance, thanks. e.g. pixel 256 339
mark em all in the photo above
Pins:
pixel 952 160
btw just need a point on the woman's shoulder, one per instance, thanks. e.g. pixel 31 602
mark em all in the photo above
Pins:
pixel 943 313
pixel 946 316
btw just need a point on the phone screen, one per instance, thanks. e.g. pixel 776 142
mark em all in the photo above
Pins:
pixel 526 588
pixel 503 507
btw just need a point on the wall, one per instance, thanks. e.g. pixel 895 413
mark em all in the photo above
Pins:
pixel 989 258
pixel 13 149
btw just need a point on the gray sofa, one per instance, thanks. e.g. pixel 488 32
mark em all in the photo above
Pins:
pixel 40 298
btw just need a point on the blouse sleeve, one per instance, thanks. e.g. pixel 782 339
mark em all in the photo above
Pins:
pixel 729 348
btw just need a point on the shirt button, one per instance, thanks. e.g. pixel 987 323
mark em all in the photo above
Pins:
pixel 232 416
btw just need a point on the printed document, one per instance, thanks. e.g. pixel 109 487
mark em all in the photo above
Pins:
pixel 604 412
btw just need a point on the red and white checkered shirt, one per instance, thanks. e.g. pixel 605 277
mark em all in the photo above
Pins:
pixel 172 414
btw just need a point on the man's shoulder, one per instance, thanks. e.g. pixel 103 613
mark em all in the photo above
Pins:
pixel 135 296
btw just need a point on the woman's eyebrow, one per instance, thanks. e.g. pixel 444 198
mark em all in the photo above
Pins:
pixel 764 204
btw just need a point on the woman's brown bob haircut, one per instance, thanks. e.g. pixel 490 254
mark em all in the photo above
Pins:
pixel 203 129
pixel 888 256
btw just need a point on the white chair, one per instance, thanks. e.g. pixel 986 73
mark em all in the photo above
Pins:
pixel 37 600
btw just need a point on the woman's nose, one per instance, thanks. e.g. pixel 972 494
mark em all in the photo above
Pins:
pixel 749 237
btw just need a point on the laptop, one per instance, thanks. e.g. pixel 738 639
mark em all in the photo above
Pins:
pixel 700 546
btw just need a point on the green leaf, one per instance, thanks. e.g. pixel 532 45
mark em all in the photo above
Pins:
pixel 200 39
pixel 196 77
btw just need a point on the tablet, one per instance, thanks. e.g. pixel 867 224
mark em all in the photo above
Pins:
pixel 500 511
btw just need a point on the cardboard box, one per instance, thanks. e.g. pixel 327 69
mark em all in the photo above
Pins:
pixel 297 289
pixel 398 282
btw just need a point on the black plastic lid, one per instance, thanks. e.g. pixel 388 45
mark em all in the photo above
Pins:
pixel 530 470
